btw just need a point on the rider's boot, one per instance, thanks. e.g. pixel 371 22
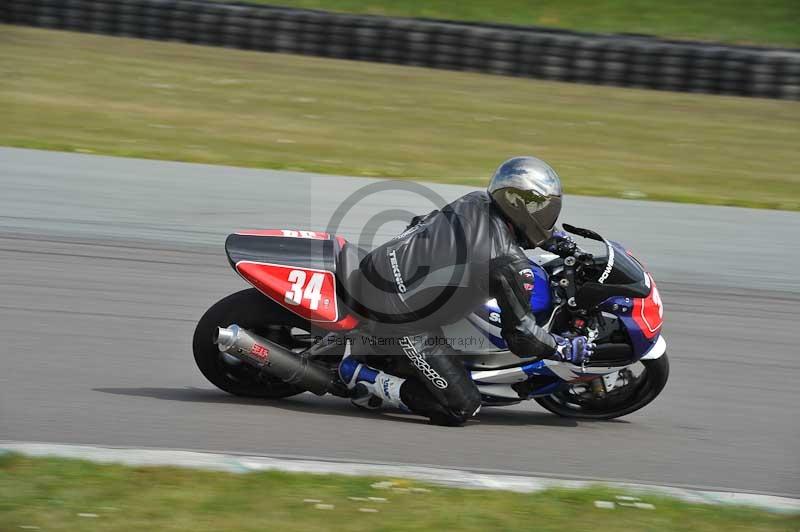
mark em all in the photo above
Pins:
pixel 370 388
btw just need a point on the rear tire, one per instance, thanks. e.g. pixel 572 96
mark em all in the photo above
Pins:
pixel 655 378
pixel 251 310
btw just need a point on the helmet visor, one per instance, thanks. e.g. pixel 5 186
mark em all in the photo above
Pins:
pixel 533 214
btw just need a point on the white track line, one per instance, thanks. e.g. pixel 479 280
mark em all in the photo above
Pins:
pixel 446 477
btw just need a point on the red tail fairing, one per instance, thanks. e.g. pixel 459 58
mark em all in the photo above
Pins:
pixel 296 269
pixel 307 292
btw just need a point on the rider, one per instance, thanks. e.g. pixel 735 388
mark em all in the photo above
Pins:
pixel 440 268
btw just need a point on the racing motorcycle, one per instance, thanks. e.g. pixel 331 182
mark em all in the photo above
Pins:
pixel 288 333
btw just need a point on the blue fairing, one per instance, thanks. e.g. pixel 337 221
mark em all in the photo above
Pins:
pixel 638 316
pixel 541 297
pixel 487 319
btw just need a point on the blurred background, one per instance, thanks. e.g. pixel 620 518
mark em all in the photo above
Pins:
pixel 136 134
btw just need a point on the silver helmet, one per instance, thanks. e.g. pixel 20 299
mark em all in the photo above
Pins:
pixel 528 192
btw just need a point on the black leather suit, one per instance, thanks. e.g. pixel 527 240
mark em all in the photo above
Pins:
pixel 436 272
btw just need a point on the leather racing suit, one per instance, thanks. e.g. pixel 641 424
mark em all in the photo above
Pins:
pixel 437 271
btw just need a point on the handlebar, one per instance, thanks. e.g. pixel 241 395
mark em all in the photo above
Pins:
pixel 564 247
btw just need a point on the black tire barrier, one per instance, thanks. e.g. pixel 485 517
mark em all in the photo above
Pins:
pixel 620 60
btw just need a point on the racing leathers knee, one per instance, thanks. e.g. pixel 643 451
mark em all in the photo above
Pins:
pixel 451 396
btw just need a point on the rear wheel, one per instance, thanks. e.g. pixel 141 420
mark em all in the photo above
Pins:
pixel 253 311
pixel 638 387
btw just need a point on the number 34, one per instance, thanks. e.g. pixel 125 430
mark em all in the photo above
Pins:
pixel 300 290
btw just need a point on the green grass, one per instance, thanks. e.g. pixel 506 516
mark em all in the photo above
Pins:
pixel 50 493
pixel 88 93
pixel 775 22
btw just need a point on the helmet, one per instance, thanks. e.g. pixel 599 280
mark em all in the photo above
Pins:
pixel 528 193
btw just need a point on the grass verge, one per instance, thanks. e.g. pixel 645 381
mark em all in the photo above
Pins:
pixel 734 21
pixel 58 494
pixel 96 94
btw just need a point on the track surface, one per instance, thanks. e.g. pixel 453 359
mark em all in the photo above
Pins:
pixel 106 264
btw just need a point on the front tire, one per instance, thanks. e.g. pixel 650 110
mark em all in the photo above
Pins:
pixel 565 403
pixel 251 310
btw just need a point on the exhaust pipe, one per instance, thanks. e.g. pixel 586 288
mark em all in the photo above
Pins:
pixel 275 360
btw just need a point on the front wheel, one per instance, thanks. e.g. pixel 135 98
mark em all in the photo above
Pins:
pixel 251 310
pixel 640 385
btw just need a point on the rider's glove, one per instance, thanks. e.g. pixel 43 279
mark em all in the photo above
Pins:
pixel 560 243
pixel 575 350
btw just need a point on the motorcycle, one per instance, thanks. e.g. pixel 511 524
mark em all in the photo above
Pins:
pixel 288 333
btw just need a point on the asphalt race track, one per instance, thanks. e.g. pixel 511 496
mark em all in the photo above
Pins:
pixel 106 264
